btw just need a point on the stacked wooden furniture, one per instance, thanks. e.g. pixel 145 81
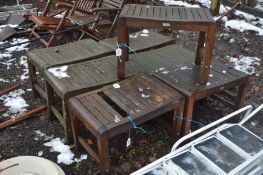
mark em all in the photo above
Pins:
pixel 191 19
pixel 104 112
pixel 90 75
pixel 84 50
pixel 77 52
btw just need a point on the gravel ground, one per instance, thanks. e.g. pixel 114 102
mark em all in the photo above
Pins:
pixel 20 139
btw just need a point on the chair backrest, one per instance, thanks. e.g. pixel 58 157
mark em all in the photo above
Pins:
pixel 84 6
pixel 112 3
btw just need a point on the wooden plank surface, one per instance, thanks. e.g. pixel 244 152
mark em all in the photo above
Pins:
pixel 87 49
pixel 163 13
pixel 172 63
pixel 69 53
pixel 139 42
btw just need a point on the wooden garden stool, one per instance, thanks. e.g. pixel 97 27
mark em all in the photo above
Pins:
pixel 104 112
pixel 85 50
pixel 163 17
pixel 184 78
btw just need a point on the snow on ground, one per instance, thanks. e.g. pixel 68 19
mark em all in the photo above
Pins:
pixel 250 22
pixel 179 3
pixel 245 63
pixel 259 5
pixel 65 154
pixel 243 26
pixel 15 102
pixel 59 72
pixel 23 63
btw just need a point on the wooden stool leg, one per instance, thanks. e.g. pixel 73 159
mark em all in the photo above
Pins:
pixel 242 91
pixel 32 77
pixel 178 120
pixel 200 47
pixel 208 50
pixel 67 127
pixel 188 113
pixel 103 148
pixel 50 101
pixel 75 129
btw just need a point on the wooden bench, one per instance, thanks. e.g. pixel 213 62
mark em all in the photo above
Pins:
pixel 104 111
pixel 89 75
pixel 84 50
pixel 163 17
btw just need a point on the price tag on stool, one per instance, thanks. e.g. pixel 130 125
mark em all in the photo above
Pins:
pixel 118 52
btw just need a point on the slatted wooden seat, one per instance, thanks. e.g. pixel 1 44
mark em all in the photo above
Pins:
pixel 107 12
pixel 84 50
pixel 96 113
pixel 163 17
pixel 90 75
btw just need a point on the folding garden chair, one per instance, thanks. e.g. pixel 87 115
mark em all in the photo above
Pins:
pixel 54 24
pixel 105 15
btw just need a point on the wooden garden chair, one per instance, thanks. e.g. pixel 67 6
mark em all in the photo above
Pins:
pixel 53 24
pixel 105 15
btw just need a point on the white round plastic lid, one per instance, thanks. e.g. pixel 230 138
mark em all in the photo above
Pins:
pixel 30 165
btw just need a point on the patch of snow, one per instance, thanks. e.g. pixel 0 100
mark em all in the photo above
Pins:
pixel 208 84
pixel 243 26
pixel 40 153
pixel 223 71
pixel 39 133
pixel 8 63
pixel 145 96
pixel 232 40
pixel 59 72
pixel 161 68
pixel 116 119
pixel 9 25
pixel 259 5
pixel 210 75
pixel 18 47
pixel 134 36
pixel 42 135
pixel 82 157
pixel 185 68
pixel 165 72
pixel 116 85
pixel 145 31
pixel 23 62
pixel 178 3
pixel 245 63
pixel 140 89
pixel 65 155
pixel 5 55
pixel 143 34
pixel 5 81
pixel 15 103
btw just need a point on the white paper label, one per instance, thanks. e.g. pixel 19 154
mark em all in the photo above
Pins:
pixel 118 52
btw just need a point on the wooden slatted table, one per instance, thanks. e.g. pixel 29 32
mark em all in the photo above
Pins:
pixel 84 50
pixel 104 111
pixel 180 18
pixel 89 75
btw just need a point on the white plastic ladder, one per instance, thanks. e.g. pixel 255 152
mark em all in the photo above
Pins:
pixel 229 149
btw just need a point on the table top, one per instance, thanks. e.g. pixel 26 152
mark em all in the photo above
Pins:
pixel 164 13
pixel 140 97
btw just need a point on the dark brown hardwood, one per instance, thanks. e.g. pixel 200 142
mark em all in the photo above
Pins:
pixel 163 17
pixel 141 97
